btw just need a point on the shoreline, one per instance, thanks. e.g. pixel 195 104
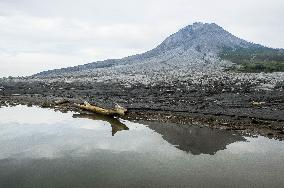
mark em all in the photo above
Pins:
pixel 234 106
pixel 244 125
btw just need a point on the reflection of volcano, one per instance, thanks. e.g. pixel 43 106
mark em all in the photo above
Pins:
pixel 115 123
pixel 195 140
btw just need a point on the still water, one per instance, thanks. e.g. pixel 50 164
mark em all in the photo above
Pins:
pixel 42 148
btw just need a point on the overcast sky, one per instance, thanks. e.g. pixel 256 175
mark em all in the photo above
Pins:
pixel 37 35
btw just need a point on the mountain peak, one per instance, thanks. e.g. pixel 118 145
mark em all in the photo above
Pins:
pixel 198 25
pixel 209 36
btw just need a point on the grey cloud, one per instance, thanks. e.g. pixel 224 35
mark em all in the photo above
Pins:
pixel 58 33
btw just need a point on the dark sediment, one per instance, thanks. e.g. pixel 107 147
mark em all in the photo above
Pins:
pixel 243 109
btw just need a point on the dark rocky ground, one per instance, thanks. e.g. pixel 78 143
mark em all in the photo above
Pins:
pixel 243 109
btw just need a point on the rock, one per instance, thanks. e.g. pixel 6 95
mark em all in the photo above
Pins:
pixel 257 103
pixel 45 105
pixel 269 134
pixel 61 101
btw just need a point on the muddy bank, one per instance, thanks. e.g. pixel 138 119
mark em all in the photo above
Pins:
pixel 244 109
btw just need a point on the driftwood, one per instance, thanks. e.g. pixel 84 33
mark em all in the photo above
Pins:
pixel 118 110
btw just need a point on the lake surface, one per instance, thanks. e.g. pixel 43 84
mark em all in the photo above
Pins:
pixel 43 148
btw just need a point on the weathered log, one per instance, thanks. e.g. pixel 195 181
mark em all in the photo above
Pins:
pixel 118 110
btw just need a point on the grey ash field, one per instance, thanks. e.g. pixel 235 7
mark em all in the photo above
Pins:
pixel 200 75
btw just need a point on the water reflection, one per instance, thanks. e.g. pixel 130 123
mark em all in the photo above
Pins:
pixel 116 125
pixel 195 140
pixel 191 139
pixel 42 148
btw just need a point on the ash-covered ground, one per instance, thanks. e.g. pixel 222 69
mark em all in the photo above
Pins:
pixel 249 103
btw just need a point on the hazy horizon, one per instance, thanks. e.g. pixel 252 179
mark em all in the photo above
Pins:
pixel 38 36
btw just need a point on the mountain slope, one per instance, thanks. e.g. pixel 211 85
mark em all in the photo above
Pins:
pixel 200 47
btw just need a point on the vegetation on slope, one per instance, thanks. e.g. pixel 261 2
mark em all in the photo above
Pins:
pixel 257 59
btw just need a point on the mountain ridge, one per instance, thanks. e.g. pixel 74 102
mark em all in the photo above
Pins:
pixel 194 44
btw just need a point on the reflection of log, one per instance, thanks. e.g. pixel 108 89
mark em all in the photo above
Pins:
pixel 115 123
pixel 118 110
